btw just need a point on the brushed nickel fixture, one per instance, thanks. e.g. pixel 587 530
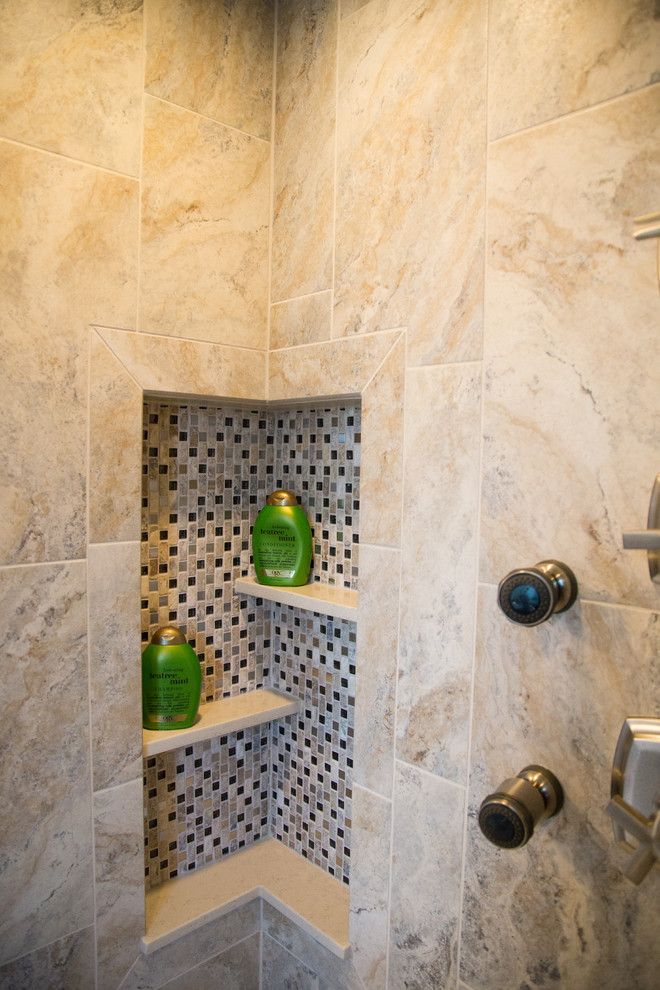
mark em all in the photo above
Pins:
pixel 530 595
pixel 635 795
pixel 508 816
pixel 649 539
pixel 650 227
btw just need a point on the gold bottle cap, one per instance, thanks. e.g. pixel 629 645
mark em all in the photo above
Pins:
pixel 168 636
pixel 282 497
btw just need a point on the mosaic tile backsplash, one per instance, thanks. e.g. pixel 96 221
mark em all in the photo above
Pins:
pixel 206 473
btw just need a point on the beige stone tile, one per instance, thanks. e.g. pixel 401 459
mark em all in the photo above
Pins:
pixel 304 148
pixel 301 321
pixel 68 257
pixel 46 819
pixel 575 55
pixel 370 881
pixel 559 912
pixel 439 557
pixel 155 970
pixel 71 78
pixel 282 971
pixel 426 880
pixel 235 969
pixel 67 964
pixel 333 973
pixel 572 379
pixel 377 638
pixel 410 184
pixel 188 367
pixel 115 448
pixel 113 586
pixel 205 205
pixel 339 367
pixel 381 467
pixel 119 880
pixel 215 58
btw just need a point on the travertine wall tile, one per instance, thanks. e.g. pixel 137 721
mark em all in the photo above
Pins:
pixel 337 368
pixel 113 586
pixel 370 882
pixel 189 368
pixel 575 55
pixel 377 637
pixel 304 148
pixel 67 964
pixel 349 7
pixel 282 971
pixel 160 967
pixel 410 182
pixel 69 252
pixel 115 414
pixel 119 888
pixel 426 880
pixel 301 321
pixel 71 78
pixel 559 912
pixel 46 815
pixel 382 451
pixel 333 973
pixel 215 58
pixel 205 203
pixel 439 558
pixel 572 380
pixel 235 969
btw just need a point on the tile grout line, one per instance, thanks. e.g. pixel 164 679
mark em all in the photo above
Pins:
pixel 369 790
pixel 464 837
pixel 47 945
pixel 571 114
pixel 271 201
pixel 303 295
pixel 141 170
pixel 334 179
pixel 204 116
pixel 89 656
pixel 397 665
pixel 68 158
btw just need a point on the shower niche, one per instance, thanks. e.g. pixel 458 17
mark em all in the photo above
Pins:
pixel 270 760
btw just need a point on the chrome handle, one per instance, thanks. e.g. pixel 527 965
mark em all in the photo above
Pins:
pixel 649 539
pixel 642 539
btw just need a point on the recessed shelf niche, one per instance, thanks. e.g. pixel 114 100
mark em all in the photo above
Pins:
pixel 280 775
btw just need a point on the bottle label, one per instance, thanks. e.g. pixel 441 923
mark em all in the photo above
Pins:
pixel 167 695
pixel 278 551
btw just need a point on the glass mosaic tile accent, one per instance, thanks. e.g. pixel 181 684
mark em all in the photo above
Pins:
pixel 312 755
pixel 206 473
pixel 205 801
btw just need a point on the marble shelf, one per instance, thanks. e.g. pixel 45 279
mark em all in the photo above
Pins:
pixel 219 718
pixel 307 895
pixel 340 603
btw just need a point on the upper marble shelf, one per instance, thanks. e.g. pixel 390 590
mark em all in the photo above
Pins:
pixel 340 603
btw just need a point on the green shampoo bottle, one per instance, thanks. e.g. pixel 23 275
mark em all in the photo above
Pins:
pixel 282 542
pixel 171 681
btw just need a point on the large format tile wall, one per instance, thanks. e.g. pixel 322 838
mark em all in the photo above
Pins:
pixel 469 171
pixel 206 472
pixel 135 160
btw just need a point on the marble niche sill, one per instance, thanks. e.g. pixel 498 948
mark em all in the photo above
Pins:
pixel 219 718
pixel 340 603
pixel 304 893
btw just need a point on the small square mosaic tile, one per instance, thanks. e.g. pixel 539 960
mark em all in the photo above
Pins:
pixel 206 473
pixel 312 754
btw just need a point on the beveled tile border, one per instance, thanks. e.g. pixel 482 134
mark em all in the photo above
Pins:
pixel 129 365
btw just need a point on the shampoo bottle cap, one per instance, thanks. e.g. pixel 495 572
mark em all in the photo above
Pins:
pixel 168 636
pixel 282 497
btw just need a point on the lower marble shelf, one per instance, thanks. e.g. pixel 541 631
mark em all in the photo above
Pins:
pixel 219 718
pixel 307 895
